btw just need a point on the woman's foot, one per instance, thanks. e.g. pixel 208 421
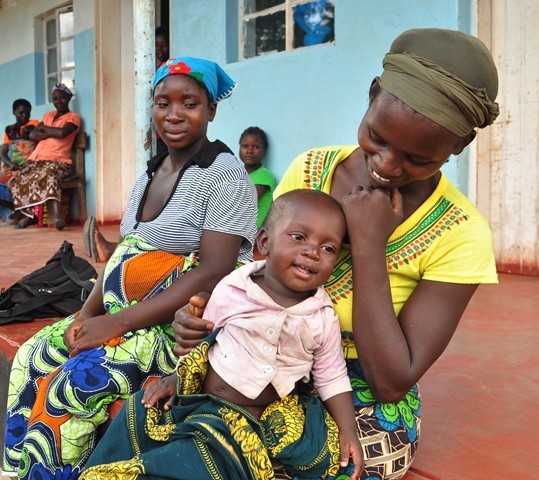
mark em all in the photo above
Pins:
pixel 95 244
pixel 103 247
pixel 53 211
pixel 59 224
pixel 26 222
pixel 15 218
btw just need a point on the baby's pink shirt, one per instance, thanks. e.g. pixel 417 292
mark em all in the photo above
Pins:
pixel 262 342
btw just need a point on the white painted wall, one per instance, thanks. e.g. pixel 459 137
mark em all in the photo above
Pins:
pixel 124 68
pixel 508 157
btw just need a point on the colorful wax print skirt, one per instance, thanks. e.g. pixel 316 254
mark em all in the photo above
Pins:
pixel 37 182
pixel 388 432
pixel 56 403
pixel 204 437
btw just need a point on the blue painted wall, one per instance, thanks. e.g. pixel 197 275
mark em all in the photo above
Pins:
pixel 84 104
pixel 312 96
pixel 18 81
pixel 23 78
pixel 305 98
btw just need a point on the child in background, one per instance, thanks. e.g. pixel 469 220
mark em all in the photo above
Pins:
pixel 15 149
pixel 162 46
pixel 253 148
pixel 275 325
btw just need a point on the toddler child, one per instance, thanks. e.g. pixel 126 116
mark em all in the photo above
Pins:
pixel 253 148
pixel 275 325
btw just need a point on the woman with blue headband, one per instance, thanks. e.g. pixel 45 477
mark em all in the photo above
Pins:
pixel 189 220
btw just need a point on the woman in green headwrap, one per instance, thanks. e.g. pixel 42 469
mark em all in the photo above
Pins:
pixel 418 247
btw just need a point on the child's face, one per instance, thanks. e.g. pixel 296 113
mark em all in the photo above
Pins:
pixel 181 111
pixel 161 49
pixel 22 114
pixel 252 150
pixel 302 247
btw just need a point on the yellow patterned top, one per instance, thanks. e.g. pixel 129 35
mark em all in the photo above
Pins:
pixel 445 240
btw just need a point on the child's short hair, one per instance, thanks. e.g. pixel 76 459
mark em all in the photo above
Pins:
pixel 256 131
pixel 282 204
pixel 21 102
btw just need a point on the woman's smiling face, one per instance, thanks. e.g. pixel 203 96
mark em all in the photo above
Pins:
pixel 402 146
pixel 61 101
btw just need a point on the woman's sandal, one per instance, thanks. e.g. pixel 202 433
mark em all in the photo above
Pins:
pixel 88 233
pixel 26 222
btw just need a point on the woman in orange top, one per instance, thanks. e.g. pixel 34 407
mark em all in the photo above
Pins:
pixel 39 180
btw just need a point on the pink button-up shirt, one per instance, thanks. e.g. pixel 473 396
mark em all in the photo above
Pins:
pixel 262 342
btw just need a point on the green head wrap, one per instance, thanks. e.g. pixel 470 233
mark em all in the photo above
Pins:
pixel 445 75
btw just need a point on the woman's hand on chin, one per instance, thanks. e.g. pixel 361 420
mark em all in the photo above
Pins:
pixel 372 214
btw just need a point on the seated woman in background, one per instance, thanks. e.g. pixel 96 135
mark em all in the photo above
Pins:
pixel 16 147
pixel 253 148
pixel 39 180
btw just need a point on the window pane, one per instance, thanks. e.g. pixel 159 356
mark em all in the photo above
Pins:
pixel 252 6
pixel 51 83
pixel 264 34
pixel 52 65
pixel 67 53
pixel 50 28
pixel 313 23
pixel 66 24
pixel 68 78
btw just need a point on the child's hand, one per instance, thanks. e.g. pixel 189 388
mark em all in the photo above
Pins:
pixel 351 448
pixel 188 325
pixel 158 389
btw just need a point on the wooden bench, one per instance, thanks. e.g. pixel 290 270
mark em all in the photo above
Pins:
pixel 76 180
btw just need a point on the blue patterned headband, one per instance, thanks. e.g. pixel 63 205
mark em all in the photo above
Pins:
pixel 211 75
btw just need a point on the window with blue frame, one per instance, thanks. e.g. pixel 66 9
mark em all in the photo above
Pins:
pixel 59 48
pixel 269 26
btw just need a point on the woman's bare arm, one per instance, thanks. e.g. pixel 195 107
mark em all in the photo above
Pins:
pixel 189 326
pixel 394 352
pixel 218 257
pixel 43 131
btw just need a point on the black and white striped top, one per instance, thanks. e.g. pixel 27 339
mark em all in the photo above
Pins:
pixel 213 192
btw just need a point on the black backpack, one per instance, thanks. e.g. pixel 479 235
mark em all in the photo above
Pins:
pixel 56 290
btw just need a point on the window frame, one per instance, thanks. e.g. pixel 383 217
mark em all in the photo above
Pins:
pixel 288 7
pixel 56 76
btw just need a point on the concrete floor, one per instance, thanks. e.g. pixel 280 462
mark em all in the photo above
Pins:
pixel 480 400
